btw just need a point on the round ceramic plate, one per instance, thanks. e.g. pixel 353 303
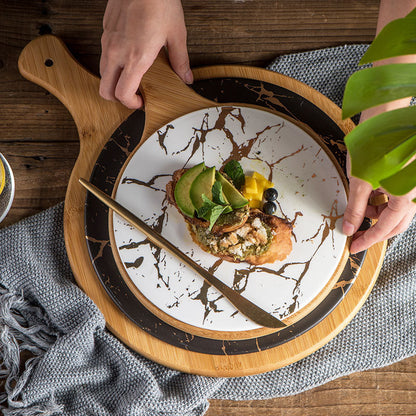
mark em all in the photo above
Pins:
pixel 7 194
pixel 312 197
pixel 99 230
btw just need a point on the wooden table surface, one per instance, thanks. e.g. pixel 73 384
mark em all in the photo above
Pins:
pixel 39 139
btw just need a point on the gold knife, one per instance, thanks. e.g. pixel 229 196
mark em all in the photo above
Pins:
pixel 246 307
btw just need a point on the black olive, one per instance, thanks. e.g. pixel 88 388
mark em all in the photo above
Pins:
pixel 269 208
pixel 270 194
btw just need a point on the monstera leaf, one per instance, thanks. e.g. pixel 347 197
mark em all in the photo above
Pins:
pixel 381 148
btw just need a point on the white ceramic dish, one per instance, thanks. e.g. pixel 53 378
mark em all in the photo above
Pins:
pixel 312 195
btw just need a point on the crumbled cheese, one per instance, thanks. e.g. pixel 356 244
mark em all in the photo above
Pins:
pixel 224 242
pixel 247 244
pixel 257 223
pixel 213 245
pixel 252 237
pixel 232 238
pixel 236 250
pixel 251 240
pixel 243 231
pixel 261 235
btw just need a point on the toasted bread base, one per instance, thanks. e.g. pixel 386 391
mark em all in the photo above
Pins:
pixel 277 247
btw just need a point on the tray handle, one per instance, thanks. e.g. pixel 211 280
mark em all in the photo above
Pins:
pixel 46 61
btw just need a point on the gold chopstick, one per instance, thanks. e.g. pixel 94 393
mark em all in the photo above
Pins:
pixel 246 307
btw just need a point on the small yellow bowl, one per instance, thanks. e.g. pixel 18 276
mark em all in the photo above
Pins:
pixel 7 187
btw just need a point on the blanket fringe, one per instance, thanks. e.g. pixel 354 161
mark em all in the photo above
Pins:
pixel 23 326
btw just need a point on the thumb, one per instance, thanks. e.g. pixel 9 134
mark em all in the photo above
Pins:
pixel 357 205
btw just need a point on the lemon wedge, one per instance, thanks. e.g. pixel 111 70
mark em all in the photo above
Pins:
pixel 2 176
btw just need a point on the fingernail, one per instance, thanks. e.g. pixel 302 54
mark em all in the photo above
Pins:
pixel 189 78
pixel 354 249
pixel 348 228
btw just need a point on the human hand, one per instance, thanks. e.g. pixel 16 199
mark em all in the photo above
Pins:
pixel 393 216
pixel 134 32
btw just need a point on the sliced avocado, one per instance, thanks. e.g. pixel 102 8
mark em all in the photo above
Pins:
pixel 202 184
pixel 233 196
pixel 183 187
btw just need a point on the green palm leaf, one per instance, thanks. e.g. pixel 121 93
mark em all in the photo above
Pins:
pixel 402 181
pixel 374 86
pixel 412 14
pixel 397 38
pixel 381 147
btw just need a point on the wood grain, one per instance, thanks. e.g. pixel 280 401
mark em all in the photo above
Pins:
pixel 386 391
pixel 166 98
pixel 219 32
pixel 34 122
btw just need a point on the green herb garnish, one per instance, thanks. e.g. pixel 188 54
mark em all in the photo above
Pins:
pixel 211 211
pixel 235 172
pixel 217 194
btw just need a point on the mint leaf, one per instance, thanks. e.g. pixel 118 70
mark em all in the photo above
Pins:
pixel 215 213
pixel 205 210
pixel 228 208
pixel 210 211
pixel 217 194
pixel 235 172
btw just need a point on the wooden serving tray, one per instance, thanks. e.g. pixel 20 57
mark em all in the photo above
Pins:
pixel 47 62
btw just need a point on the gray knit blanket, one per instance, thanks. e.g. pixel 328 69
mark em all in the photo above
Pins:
pixel 79 368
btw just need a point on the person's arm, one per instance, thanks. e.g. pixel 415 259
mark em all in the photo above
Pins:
pixel 134 32
pixel 395 216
